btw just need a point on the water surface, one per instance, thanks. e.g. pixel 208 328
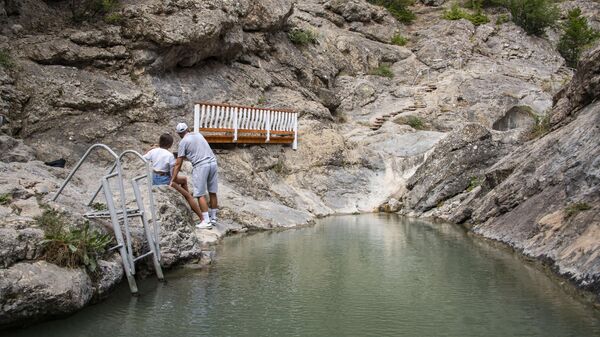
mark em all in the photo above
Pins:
pixel 371 275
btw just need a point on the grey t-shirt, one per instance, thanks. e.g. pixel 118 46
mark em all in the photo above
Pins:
pixel 196 149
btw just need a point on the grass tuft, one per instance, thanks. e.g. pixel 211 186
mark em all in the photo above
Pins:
pixel 71 247
pixel 5 199
pixel 399 40
pixel 383 71
pixel 576 208
pixel 302 37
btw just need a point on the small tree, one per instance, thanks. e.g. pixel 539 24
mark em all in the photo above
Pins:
pixel 576 37
pixel 533 15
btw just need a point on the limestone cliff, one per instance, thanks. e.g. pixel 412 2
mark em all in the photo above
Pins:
pixel 457 107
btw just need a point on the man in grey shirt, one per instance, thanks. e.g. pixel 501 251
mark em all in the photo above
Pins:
pixel 195 148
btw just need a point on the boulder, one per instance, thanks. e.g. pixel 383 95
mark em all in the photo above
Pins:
pixel 29 291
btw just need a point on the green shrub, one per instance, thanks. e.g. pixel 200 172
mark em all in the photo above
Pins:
pixel 82 10
pixel 533 15
pixel 397 8
pixel 5 199
pixel 455 13
pixel 502 19
pixel 279 167
pixel 383 71
pixel 415 122
pixel 473 182
pixel 113 18
pixel 541 126
pixel 576 37
pixel 399 40
pixel 71 247
pixel 5 59
pixel 302 37
pixel 576 208
pixel 98 206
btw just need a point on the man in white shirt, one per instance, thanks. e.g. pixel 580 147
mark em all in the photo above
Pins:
pixel 163 162
pixel 195 148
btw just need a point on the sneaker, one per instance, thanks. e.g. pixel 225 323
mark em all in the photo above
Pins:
pixel 203 225
pixel 213 221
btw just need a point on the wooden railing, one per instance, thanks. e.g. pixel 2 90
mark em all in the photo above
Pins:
pixel 223 123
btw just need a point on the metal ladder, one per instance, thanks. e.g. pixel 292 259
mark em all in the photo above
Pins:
pixel 120 215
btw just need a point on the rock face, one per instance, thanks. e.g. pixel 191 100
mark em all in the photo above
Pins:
pixel 71 85
pixel 542 198
pixel 43 289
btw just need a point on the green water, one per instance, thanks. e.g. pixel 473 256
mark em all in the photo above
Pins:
pixel 372 275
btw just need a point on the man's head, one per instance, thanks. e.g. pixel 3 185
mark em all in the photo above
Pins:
pixel 181 129
pixel 165 141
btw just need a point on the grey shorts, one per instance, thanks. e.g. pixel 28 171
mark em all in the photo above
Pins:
pixel 205 178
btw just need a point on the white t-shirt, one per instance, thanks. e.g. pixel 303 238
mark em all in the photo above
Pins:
pixel 162 160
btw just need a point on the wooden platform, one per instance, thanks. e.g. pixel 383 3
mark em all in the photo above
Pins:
pixel 226 136
pixel 235 124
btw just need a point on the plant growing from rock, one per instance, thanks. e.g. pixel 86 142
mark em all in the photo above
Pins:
pixel 82 10
pixel 415 122
pixel 541 126
pixel 456 13
pixel 577 36
pixel 261 100
pixel 399 40
pixel 71 247
pixel 5 199
pixel 397 8
pixel 302 36
pixel 98 206
pixel 113 18
pixel 473 183
pixel 534 16
pixel 383 71
pixel 502 19
pixel 5 59
pixel 576 208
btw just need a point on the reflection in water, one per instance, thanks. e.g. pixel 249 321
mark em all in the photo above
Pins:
pixel 371 275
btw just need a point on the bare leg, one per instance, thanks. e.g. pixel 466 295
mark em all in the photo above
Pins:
pixel 189 199
pixel 203 204
pixel 213 200
pixel 182 181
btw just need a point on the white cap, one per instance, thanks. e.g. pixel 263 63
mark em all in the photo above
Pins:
pixel 181 127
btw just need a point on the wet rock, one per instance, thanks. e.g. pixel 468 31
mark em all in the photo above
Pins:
pixel 456 160
pixel 29 291
pixel 109 275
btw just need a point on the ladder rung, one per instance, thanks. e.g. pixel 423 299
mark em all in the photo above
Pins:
pixel 106 214
pixel 115 247
pixel 143 256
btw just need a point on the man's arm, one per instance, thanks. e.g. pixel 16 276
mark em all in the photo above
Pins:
pixel 176 169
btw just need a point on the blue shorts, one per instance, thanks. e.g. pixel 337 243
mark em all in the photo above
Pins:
pixel 161 180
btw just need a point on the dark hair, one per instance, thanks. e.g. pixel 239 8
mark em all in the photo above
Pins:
pixel 165 141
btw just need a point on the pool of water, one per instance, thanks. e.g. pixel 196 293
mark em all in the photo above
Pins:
pixel 368 275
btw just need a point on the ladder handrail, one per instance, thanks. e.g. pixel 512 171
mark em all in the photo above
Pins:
pixel 156 228
pixel 150 194
pixel 87 153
